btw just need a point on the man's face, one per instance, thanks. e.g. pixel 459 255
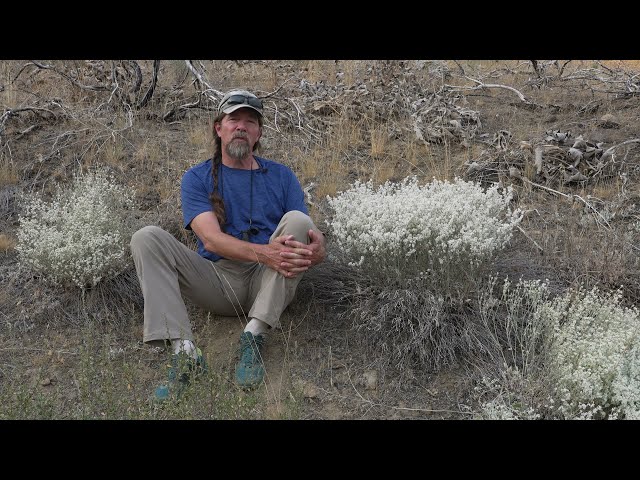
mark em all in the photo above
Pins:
pixel 239 131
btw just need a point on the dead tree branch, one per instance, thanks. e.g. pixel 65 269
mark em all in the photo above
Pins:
pixel 506 87
pixel 171 115
pixel 462 72
pixel 203 82
pixel 534 63
pixel 480 85
pixel 609 151
pixel 278 89
pixel 152 87
pixel 138 73
pixel 13 112
pixel 571 197
pixel 540 249
pixel 95 88
pixel 562 68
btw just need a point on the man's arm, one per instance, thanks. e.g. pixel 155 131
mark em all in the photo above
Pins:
pixel 288 260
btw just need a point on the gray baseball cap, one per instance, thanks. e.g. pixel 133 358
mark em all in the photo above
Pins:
pixel 236 99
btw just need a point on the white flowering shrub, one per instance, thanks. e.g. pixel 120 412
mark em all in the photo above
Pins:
pixel 518 331
pixel 507 401
pixel 515 380
pixel 408 230
pixel 573 357
pixel 82 235
pixel 418 251
pixel 595 356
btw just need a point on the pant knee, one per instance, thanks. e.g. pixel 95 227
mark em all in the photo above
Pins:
pixel 141 239
pixel 298 218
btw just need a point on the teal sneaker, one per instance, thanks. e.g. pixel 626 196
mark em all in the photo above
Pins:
pixel 250 369
pixel 182 369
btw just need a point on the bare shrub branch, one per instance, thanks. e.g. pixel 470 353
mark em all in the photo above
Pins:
pixel 152 87
pixel 480 85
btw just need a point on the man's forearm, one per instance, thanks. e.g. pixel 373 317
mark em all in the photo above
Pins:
pixel 228 246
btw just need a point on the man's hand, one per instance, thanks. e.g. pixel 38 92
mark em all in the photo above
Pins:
pixel 316 246
pixel 287 256
pixel 291 257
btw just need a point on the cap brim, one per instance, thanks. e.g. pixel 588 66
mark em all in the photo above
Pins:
pixel 233 108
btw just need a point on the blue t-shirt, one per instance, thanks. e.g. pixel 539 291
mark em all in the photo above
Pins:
pixel 276 191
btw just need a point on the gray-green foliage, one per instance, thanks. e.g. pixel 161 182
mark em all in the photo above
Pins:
pixel 594 355
pixel 417 254
pixel 514 375
pixel 571 357
pixel 81 236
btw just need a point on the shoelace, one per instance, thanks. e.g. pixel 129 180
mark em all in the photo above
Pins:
pixel 247 345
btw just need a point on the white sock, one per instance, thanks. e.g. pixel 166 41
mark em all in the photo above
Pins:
pixel 257 327
pixel 185 346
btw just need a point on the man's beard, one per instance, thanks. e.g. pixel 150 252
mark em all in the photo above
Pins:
pixel 238 150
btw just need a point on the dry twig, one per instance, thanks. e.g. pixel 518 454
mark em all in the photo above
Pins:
pixel 202 81
pixel 95 88
pixel 610 150
pixel 152 87
pixel 480 85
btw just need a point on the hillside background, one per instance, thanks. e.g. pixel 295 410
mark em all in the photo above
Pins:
pixel 65 353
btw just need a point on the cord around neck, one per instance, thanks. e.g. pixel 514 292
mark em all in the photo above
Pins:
pixel 250 230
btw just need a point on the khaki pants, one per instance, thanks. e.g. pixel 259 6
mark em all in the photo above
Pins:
pixel 168 269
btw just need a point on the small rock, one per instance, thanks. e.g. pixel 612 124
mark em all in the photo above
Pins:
pixel 575 154
pixel 580 143
pixel 608 121
pixel 310 391
pixel 514 172
pixel 45 382
pixel 370 380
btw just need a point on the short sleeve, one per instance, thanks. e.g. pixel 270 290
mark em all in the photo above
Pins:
pixel 194 196
pixel 295 195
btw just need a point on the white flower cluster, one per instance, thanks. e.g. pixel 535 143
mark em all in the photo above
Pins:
pixel 595 356
pixel 501 409
pixel 403 226
pixel 507 397
pixel 82 235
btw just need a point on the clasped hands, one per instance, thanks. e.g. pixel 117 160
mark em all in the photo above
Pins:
pixel 290 257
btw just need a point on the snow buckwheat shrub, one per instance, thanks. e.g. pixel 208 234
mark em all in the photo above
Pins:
pixel 418 251
pixel 514 369
pixel 82 235
pixel 595 356
pixel 442 230
pixel 507 402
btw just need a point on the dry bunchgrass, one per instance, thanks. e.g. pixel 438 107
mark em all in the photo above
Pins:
pixel 145 154
pixel 7 243
pixel 201 139
pixel 321 71
pixel 379 142
pixel 9 93
pixel 112 153
pixel 8 173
